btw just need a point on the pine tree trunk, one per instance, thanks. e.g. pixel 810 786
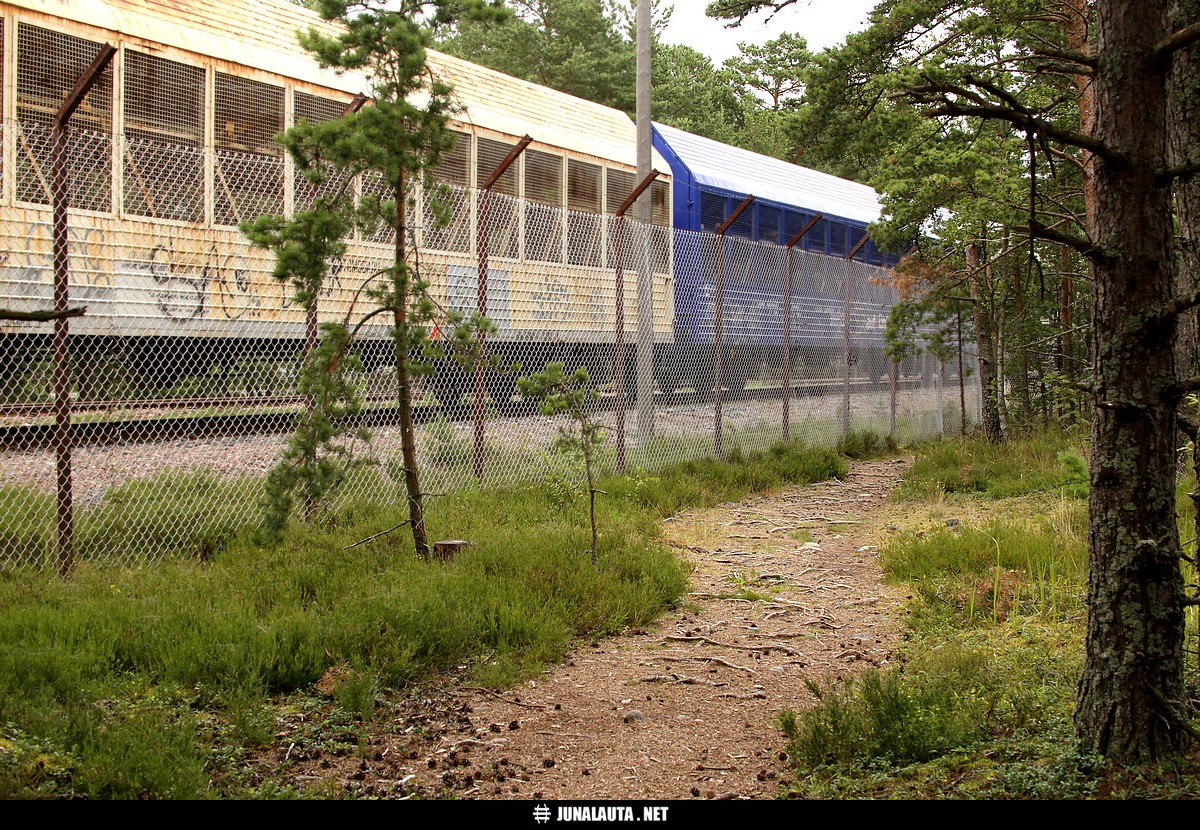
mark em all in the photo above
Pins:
pixel 1183 92
pixel 408 441
pixel 985 343
pixel 1131 691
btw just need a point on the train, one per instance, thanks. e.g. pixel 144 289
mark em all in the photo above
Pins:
pixel 175 145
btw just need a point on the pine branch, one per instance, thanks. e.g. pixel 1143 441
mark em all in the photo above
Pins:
pixel 1082 245
pixel 1178 40
pixel 1171 310
pixel 1185 171
pixel 936 95
pixel 1085 63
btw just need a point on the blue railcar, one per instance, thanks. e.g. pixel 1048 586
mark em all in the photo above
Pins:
pixel 711 180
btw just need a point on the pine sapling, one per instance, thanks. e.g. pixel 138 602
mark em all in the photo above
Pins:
pixel 559 393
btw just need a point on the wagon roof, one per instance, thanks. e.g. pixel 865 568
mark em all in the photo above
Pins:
pixel 262 34
pixel 733 169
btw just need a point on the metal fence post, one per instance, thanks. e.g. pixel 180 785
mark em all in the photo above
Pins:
pixel 481 237
pixel 893 382
pixel 481 243
pixel 718 322
pixel 962 389
pixel 61 196
pixel 787 321
pixel 846 335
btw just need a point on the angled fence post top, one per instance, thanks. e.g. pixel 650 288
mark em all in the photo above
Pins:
pixel 733 217
pixel 637 191
pixel 84 85
pixel 506 162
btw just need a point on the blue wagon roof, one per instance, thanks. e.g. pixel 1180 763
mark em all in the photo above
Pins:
pixel 721 166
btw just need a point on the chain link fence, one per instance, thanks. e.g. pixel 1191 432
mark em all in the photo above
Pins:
pixel 177 388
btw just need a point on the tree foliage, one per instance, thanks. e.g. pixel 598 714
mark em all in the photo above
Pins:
pixel 581 47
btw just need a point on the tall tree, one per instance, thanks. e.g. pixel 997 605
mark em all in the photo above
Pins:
pixel 392 143
pixel 689 93
pixel 581 47
pixel 775 71
pixel 1132 703
pixel 770 81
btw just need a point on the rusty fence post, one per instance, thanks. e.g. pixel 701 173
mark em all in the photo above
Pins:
pixel 846 334
pixel 962 389
pixel 481 244
pixel 61 197
pixel 893 382
pixel 787 321
pixel 718 321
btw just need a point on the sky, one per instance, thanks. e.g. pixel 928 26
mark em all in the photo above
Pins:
pixel 822 22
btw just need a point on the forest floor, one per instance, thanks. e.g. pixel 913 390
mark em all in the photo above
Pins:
pixel 786 588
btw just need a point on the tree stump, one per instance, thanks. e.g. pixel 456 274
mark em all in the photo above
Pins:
pixel 447 549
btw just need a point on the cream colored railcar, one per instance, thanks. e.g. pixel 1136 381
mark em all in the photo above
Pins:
pixel 175 146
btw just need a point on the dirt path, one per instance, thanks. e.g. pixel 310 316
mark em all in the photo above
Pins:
pixel 785 588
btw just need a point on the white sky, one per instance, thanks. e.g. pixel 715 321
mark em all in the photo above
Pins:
pixel 822 22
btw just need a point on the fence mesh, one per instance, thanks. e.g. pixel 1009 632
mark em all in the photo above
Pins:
pixel 184 370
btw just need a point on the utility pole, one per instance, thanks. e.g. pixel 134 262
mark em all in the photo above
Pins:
pixel 645 278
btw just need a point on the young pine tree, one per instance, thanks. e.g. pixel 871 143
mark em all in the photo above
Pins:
pixel 393 142
pixel 558 393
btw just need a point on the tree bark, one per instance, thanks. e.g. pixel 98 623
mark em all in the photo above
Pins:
pixel 408 442
pixel 985 342
pixel 1183 92
pixel 1184 124
pixel 1131 692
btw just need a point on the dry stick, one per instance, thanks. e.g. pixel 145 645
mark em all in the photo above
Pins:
pixel 681 679
pixel 476 742
pixel 377 535
pixel 498 696
pixel 390 529
pixel 783 648
pixel 725 663
pixel 41 316
pixel 748 696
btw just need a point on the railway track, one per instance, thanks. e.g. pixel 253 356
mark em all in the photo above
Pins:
pixel 191 418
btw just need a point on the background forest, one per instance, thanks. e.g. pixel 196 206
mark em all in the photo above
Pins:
pixel 951 189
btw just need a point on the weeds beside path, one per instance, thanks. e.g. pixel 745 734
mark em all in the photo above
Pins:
pixel 786 588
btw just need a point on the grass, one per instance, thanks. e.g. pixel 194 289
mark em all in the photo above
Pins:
pixel 1045 462
pixel 156 682
pixel 981 705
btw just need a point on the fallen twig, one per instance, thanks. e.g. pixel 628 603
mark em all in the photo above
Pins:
pixel 680 678
pixel 711 642
pixel 498 696
pixel 377 535
pixel 725 663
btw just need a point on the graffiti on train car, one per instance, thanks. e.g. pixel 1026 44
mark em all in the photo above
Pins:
pixel 550 300
pixel 146 271
pixel 29 257
pixel 194 281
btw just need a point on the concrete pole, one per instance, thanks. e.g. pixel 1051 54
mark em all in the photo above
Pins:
pixel 645 279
